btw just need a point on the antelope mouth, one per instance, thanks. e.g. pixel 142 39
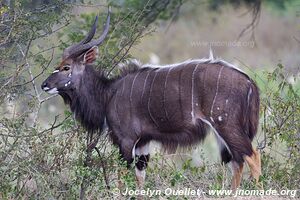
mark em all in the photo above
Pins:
pixel 50 90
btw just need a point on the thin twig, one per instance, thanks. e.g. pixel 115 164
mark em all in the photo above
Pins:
pixel 84 5
pixel 103 168
pixel 44 50
pixel 126 52
pixel 54 31
pixel 47 98
pixel 174 15
pixel 53 126
pixel 44 68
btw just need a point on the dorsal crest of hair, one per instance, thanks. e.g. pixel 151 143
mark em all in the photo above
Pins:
pixel 129 67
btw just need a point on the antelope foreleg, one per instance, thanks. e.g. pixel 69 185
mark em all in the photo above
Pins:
pixel 140 177
pixel 142 158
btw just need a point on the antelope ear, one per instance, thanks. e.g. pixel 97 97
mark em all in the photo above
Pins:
pixel 91 55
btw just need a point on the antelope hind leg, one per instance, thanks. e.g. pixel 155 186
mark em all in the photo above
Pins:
pixel 237 175
pixel 254 163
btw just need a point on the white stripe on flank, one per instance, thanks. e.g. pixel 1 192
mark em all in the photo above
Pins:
pixel 217 90
pixel 220 139
pixel 123 86
pixel 150 98
pixel 144 87
pixel 116 109
pixel 193 80
pixel 249 94
pixel 164 97
pixel 130 97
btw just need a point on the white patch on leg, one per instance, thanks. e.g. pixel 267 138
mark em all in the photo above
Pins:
pixel 143 150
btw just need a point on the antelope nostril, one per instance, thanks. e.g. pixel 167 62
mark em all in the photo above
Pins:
pixel 44 84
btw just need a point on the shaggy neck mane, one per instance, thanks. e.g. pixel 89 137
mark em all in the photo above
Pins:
pixel 88 101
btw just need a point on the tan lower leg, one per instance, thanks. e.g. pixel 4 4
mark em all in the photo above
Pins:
pixel 140 178
pixel 237 175
pixel 254 163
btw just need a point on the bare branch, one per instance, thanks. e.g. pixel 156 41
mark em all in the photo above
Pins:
pixel 47 98
pixel 256 9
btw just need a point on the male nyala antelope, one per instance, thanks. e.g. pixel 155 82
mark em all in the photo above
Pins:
pixel 174 104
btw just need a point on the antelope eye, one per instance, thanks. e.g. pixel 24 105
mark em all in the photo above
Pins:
pixel 66 67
